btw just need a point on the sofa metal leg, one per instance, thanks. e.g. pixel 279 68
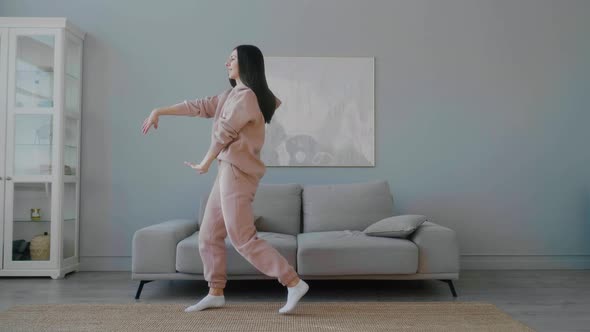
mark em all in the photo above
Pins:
pixel 140 288
pixel 451 286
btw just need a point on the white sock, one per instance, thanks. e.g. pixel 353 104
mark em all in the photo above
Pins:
pixel 209 301
pixel 295 293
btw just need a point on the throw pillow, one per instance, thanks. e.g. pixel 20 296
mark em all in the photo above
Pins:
pixel 397 226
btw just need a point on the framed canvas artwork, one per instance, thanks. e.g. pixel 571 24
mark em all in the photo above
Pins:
pixel 327 116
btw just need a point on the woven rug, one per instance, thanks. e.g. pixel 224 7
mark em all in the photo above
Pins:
pixel 262 316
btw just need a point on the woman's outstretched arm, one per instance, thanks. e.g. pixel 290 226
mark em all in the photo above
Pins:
pixel 204 107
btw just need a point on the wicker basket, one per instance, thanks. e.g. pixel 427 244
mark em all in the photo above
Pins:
pixel 40 247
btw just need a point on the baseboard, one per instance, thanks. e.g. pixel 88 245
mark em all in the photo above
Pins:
pixel 524 262
pixel 105 263
pixel 468 262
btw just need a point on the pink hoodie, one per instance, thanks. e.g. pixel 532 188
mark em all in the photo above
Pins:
pixel 237 135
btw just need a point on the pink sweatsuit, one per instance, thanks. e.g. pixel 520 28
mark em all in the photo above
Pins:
pixel 237 138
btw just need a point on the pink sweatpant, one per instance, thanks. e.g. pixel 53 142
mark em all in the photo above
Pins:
pixel 229 212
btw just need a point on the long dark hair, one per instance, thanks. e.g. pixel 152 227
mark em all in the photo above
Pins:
pixel 251 70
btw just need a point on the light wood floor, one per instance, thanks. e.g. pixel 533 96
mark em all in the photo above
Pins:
pixel 546 300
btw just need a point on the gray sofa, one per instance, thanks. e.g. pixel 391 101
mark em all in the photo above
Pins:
pixel 318 229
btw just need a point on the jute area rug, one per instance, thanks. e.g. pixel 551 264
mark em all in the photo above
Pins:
pixel 262 316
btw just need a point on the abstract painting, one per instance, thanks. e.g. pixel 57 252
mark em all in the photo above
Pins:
pixel 327 113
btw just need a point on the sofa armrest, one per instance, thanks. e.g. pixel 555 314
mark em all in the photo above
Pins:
pixel 154 247
pixel 438 248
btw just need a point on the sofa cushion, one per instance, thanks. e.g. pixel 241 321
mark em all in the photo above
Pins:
pixel 354 253
pixel 340 207
pixel 398 226
pixel 188 258
pixel 278 205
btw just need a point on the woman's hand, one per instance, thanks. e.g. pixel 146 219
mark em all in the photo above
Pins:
pixel 203 167
pixel 151 120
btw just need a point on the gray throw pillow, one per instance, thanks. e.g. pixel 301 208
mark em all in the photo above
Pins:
pixel 398 226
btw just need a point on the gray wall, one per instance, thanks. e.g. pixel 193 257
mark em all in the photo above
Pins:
pixel 481 113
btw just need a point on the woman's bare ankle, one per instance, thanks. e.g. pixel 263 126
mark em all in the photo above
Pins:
pixel 216 291
pixel 293 283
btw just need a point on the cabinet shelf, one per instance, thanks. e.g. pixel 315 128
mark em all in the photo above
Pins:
pixel 44 145
pixel 42 221
pixel 34 221
pixel 28 93
pixel 38 70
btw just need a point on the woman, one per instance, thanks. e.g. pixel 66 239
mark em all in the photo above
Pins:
pixel 237 137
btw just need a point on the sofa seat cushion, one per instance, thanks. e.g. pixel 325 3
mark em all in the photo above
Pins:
pixel 188 259
pixel 354 253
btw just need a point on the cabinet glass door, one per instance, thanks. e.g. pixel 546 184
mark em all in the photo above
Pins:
pixel 34 64
pixel 70 222
pixel 3 112
pixel 33 145
pixel 70 218
pixel 73 78
pixel 32 89
pixel 71 187
pixel 30 146
pixel 71 139
pixel 28 224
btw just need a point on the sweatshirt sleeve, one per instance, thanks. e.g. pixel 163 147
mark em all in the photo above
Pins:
pixel 226 131
pixel 204 107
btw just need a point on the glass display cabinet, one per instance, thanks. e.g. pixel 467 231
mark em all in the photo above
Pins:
pixel 40 114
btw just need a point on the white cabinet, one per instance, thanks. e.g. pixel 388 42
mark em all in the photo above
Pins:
pixel 40 113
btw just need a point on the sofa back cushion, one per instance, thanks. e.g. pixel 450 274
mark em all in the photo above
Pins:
pixel 338 207
pixel 278 205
